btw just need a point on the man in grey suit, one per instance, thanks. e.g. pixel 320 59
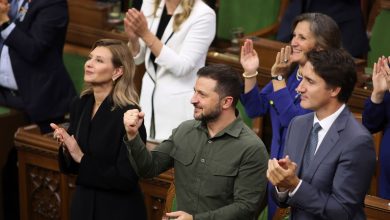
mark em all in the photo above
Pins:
pixel 329 156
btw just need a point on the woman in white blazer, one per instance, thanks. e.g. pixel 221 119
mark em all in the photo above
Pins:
pixel 187 28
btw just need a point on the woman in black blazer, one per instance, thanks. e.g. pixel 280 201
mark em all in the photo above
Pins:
pixel 107 185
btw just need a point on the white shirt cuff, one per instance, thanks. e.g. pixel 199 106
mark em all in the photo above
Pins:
pixel 291 194
pixel 281 195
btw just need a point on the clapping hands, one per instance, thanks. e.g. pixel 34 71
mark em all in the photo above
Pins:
pixel 282 62
pixel 68 141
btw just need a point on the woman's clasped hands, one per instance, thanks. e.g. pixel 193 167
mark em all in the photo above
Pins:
pixel 68 142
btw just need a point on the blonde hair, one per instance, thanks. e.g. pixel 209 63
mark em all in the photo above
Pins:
pixel 187 6
pixel 123 92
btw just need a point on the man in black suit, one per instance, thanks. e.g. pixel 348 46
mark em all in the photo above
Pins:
pixel 33 77
pixel 346 13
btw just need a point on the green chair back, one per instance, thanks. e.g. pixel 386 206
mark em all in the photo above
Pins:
pixel 74 63
pixel 4 110
pixel 380 37
pixel 243 115
pixel 251 15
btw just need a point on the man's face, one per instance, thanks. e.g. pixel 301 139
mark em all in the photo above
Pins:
pixel 207 103
pixel 315 94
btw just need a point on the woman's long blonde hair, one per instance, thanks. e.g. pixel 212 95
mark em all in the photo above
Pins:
pixel 179 18
pixel 123 92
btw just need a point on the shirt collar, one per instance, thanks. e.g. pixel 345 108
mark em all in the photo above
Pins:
pixel 328 121
pixel 233 129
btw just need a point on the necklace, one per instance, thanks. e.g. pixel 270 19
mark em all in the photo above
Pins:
pixel 299 74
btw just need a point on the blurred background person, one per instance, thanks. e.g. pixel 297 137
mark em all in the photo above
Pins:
pixel 346 13
pixel 33 78
pixel 172 37
pixel 376 117
pixel 93 148
pixel 279 98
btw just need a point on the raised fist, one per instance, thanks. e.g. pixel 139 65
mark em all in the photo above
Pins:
pixel 132 120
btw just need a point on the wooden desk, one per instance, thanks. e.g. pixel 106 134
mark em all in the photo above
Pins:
pixel 377 208
pixel 88 22
pixel 45 193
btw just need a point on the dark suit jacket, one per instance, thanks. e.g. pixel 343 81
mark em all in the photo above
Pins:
pixel 346 13
pixel 35 48
pixel 336 182
pixel 107 185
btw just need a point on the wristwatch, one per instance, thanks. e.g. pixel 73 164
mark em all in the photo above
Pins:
pixel 277 77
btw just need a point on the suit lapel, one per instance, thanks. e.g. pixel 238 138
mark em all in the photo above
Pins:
pixel 302 140
pixel 154 22
pixel 329 142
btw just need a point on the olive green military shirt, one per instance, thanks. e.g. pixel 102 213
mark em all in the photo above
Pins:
pixel 223 177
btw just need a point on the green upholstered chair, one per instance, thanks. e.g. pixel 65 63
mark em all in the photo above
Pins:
pixel 251 15
pixel 74 63
pixel 380 37
pixel 4 110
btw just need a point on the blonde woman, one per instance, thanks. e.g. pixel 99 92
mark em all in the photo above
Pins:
pixel 172 37
pixel 107 185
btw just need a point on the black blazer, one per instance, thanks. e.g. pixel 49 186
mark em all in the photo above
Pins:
pixel 107 185
pixel 35 48
pixel 346 13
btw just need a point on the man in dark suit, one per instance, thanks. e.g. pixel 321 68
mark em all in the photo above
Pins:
pixel 346 13
pixel 33 77
pixel 329 156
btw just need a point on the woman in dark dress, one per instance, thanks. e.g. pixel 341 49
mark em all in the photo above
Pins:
pixel 107 185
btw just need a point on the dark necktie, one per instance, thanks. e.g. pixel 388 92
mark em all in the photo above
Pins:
pixel 311 145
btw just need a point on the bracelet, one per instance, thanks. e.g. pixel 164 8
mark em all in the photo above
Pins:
pixel 250 76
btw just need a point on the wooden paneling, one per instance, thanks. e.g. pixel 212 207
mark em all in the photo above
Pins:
pixel 89 13
pixel 89 21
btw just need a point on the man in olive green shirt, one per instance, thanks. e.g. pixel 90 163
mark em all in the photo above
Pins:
pixel 220 164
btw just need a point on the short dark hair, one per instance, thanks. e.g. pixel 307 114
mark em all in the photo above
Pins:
pixel 337 68
pixel 229 81
pixel 325 30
